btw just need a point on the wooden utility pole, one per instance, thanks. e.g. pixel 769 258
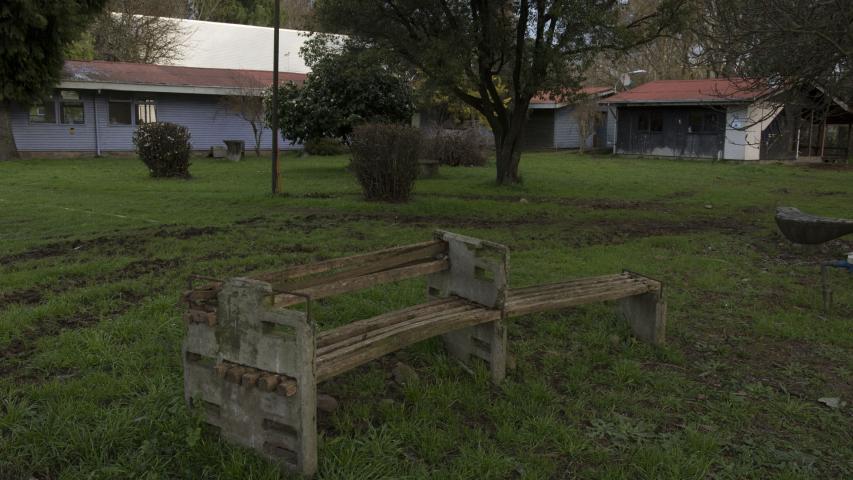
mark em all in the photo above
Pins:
pixel 276 168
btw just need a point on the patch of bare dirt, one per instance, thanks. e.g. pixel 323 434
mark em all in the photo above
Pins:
pixel 776 248
pixel 187 233
pixel 119 244
pixel 841 167
pixel 589 203
pixel 679 195
pixel 115 244
pixel 30 296
pixel 794 367
pixel 14 355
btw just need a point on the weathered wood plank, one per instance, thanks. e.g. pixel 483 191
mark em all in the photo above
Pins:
pixel 358 283
pixel 558 302
pixel 327 369
pixel 577 281
pixel 343 262
pixel 354 343
pixel 394 261
pixel 571 290
pixel 361 327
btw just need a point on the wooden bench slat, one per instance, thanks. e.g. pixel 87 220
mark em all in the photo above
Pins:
pixel 558 300
pixel 423 317
pixel 362 327
pixel 362 282
pixel 356 355
pixel 341 348
pixel 434 246
pixel 574 289
pixel 578 281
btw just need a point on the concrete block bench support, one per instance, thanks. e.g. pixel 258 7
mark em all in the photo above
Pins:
pixel 478 272
pixel 250 368
pixel 646 314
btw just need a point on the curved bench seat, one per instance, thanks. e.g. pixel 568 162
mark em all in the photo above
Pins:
pixel 347 347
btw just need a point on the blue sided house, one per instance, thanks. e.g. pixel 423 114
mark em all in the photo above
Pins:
pixel 98 105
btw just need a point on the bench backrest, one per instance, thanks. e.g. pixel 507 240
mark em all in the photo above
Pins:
pixel 457 265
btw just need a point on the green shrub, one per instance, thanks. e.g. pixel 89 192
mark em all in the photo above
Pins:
pixel 457 148
pixel 385 160
pixel 324 146
pixel 164 148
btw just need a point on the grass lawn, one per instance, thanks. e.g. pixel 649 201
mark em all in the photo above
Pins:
pixel 94 255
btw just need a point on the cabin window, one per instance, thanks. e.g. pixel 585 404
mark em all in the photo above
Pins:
pixel 44 112
pixel 650 122
pixel 72 113
pixel 703 122
pixel 71 108
pixel 119 112
pixel 146 112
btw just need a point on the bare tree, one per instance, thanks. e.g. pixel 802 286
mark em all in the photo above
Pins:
pixel 295 14
pixel 248 104
pixel 205 9
pixel 586 114
pixel 298 14
pixel 139 31
pixel 669 57
pixel 793 46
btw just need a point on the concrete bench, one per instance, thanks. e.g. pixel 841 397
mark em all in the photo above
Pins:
pixel 235 149
pixel 428 168
pixel 253 356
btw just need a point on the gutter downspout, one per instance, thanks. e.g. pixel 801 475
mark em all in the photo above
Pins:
pixel 97 132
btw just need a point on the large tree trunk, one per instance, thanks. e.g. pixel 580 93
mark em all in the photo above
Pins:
pixel 508 150
pixel 8 150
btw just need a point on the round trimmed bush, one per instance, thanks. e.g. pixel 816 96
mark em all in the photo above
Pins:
pixel 385 160
pixel 164 148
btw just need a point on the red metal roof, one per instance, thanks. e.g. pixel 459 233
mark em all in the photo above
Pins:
pixel 715 90
pixel 171 76
pixel 547 98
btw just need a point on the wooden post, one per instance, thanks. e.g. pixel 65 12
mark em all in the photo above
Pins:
pixel 811 129
pixel 850 142
pixel 823 136
pixel 276 168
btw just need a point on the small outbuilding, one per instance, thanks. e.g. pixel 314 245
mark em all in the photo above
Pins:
pixel 724 119
pixel 555 123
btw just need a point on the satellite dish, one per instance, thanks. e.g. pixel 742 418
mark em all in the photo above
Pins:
pixel 625 79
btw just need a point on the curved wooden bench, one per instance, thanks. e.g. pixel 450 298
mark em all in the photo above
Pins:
pixel 253 356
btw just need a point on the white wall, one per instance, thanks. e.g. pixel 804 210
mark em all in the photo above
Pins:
pixel 744 125
pixel 226 45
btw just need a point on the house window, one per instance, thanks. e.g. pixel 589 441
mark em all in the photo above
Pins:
pixel 44 112
pixel 71 108
pixel 703 123
pixel 146 112
pixel 72 113
pixel 650 122
pixel 657 122
pixel 119 112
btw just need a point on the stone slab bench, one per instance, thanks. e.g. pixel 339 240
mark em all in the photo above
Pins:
pixel 253 356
